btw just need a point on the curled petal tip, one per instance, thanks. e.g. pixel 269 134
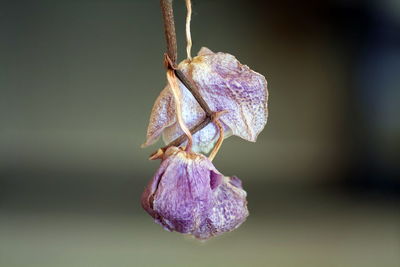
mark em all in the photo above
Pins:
pixel 204 51
pixel 157 155
pixel 145 144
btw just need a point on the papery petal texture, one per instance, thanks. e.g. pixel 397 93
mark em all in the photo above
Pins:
pixel 225 84
pixel 229 209
pixel 188 195
pixel 162 116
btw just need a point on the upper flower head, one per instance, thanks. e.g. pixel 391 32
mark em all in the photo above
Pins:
pixel 189 195
pixel 226 85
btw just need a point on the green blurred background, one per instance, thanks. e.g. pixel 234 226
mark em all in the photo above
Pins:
pixel 77 83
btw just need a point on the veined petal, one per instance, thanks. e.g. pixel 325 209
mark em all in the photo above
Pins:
pixel 182 197
pixel 225 84
pixel 162 115
pixel 188 195
pixel 229 209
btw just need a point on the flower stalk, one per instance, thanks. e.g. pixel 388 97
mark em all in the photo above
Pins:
pixel 171 58
pixel 214 96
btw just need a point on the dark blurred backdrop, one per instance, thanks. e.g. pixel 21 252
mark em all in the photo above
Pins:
pixel 77 83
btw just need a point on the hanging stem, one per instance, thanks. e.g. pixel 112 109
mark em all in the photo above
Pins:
pixel 188 35
pixel 176 91
pixel 170 35
pixel 219 141
pixel 218 144
pixel 169 29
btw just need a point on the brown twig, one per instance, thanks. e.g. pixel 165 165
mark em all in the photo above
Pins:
pixel 169 29
pixel 191 86
pixel 170 36
pixel 171 58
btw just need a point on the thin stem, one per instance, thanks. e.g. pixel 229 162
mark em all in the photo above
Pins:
pixel 188 35
pixel 170 35
pixel 219 141
pixel 181 139
pixel 176 91
pixel 191 86
pixel 169 29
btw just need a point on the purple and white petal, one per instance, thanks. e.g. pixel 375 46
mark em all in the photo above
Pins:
pixel 188 195
pixel 162 115
pixel 225 84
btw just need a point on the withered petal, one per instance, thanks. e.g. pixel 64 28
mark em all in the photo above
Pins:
pixel 188 195
pixel 225 84
pixel 162 115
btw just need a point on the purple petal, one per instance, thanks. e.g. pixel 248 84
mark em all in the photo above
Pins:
pixel 229 210
pixel 162 116
pixel 188 195
pixel 225 84
pixel 183 195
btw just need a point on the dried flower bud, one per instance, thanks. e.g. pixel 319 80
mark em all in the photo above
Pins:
pixel 225 84
pixel 188 195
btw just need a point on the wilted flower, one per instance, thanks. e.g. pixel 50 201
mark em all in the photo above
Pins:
pixel 226 85
pixel 189 195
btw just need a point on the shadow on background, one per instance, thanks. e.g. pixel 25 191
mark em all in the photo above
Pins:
pixel 77 82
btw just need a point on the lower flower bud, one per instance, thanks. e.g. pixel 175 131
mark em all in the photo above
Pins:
pixel 189 195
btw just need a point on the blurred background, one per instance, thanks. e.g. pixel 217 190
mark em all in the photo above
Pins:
pixel 77 83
